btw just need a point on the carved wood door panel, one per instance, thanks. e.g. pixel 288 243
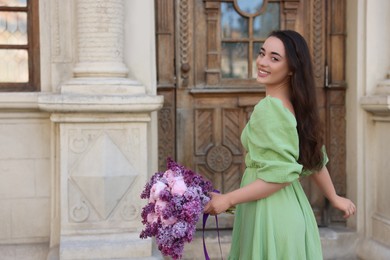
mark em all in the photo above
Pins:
pixel 206 51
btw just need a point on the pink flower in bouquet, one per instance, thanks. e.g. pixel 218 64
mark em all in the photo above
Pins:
pixel 175 182
pixel 169 174
pixel 176 199
pixel 178 186
pixel 152 218
pixel 169 221
pixel 156 190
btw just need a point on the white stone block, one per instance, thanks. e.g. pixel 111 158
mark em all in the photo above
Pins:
pixel 5 220
pixel 17 179
pixel 38 251
pixel 31 218
pixel 42 178
pixel 24 139
pixel 105 246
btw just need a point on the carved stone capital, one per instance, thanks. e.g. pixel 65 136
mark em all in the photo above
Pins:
pixel 379 103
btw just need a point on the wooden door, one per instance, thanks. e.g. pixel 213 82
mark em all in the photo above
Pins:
pixel 206 52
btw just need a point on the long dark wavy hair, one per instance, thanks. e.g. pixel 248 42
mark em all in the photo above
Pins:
pixel 303 99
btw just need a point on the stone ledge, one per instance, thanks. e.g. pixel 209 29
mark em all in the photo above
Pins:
pixel 378 105
pixel 99 103
pixel 370 249
pixel 19 101
pixel 53 102
pixel 339 243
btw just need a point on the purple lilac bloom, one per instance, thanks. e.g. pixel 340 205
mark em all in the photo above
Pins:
pixel 179 229
pixel 164 236
pixel 178 249
pixel 190 233
pixel 191 211
pixel 146 192
pixel 169 211
pixel 178 202
pixel 150 230
pixel 192 193
pixel 165 195
pixel 149 208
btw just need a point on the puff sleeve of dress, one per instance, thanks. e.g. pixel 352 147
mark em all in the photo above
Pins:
pixel 271 140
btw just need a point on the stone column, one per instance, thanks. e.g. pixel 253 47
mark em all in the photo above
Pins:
pixel 376 243
pixel 100 39
pixel 103 140
pixel 100 68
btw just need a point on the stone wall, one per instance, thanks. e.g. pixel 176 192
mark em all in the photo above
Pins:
pixel 24 178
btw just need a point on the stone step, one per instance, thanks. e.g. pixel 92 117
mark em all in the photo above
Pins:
pixel 338 243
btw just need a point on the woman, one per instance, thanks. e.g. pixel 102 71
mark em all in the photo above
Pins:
pixel 283 139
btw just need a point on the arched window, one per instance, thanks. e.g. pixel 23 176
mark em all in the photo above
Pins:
pixel 19 45
pixel 235 31
pixel 244 26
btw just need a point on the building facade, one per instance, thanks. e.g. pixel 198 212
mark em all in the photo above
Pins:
pixel 76 152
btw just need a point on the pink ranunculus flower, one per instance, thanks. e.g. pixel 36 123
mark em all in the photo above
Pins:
pixel 170 177
pixel 156 190
pixel 169 174
pixel 152 217
pixel 170 221
pixel 179 186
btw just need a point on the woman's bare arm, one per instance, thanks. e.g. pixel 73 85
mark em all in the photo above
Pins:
pixel 258 189
pixel 324 182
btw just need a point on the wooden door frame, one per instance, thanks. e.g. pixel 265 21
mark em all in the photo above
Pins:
pixel 335 88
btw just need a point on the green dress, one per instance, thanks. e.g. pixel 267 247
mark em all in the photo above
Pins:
pixel 281 226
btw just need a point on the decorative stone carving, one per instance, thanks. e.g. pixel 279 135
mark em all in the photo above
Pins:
pixel 103 174
pixel 103 167
pixel 129 211
pixel 379 102
pixel 78 144
pixel 79 212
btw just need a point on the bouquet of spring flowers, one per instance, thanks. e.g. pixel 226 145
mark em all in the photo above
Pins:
pixel 176 199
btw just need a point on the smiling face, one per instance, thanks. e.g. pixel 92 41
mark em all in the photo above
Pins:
pixel 272 65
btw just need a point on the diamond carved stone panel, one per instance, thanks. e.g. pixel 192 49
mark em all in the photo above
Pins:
pixel 103 174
